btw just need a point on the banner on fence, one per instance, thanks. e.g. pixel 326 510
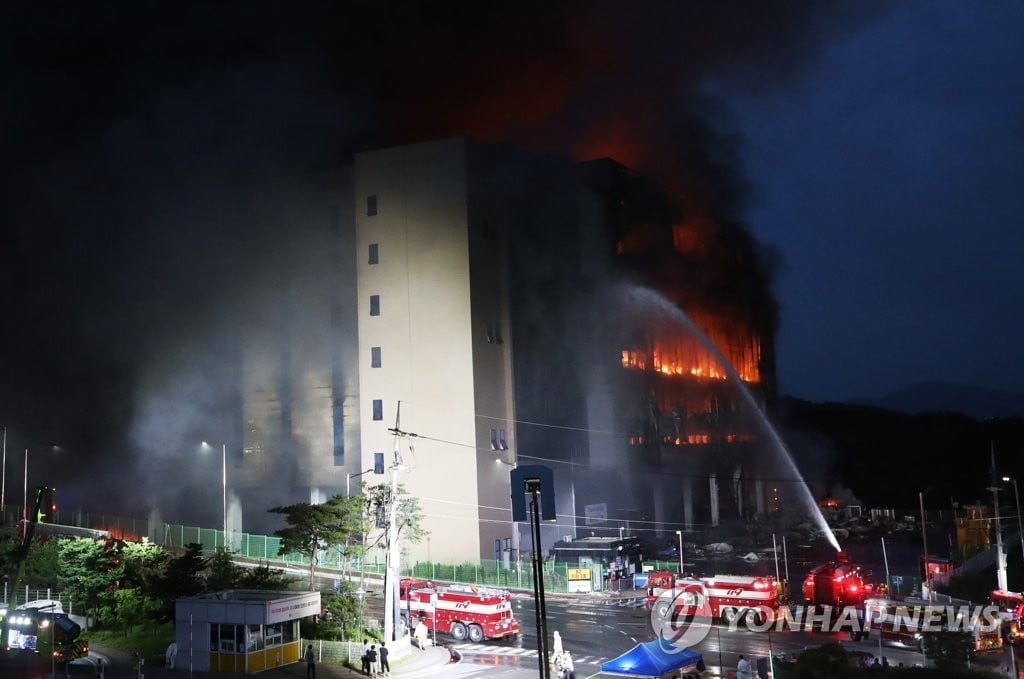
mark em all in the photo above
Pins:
pixel 578 580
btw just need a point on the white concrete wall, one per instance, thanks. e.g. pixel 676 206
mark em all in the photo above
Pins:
pixel 424 331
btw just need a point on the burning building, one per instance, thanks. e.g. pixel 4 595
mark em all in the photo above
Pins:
pixel 516 309
pixel 497 319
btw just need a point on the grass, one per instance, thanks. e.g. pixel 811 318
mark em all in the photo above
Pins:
pixel 150 640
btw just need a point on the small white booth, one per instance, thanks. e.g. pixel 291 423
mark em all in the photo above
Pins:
pixel 239 630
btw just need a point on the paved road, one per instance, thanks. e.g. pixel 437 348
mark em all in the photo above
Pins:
pixel 595 633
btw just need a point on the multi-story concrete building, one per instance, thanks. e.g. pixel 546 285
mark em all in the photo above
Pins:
pixel 512 310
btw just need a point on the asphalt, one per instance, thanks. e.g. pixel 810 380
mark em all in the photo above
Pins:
pixel 121 664
pixel 421 663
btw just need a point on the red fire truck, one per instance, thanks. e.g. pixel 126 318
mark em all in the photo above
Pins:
pixel 463 611
pixel 1011 613
pixel 729 597
pixel 908 623
pixel 837 584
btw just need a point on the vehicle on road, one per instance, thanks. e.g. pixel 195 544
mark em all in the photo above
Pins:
pixel 727 597
pixel 463 611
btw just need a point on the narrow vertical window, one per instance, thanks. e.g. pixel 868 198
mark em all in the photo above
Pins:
pixel 502 443
pixel 374 357
pixel 374 253
pixel 494 439
pixel 375 305
pixel 378 409
pixel 371 205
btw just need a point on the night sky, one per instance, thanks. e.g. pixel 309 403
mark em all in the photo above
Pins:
pixel 154 158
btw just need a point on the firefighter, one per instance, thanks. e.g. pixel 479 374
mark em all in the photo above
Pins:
pixel 422 637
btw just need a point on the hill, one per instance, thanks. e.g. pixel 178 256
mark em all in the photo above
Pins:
pixel 948 397
pixel 886 456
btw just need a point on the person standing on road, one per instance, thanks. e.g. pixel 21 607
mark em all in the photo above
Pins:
pixel 743 668
pixel 310 663
pixel 365 656
pixel 384 666
pixel 371 659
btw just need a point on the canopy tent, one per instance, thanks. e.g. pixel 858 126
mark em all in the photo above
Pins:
pixel 651 659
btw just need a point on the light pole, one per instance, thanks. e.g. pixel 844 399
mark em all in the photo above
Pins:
pixel 348 480
pixel 680 534
pixel 1000 555
pixel 223 486
pixel 1016 497
pixel 3 480
pixel 924 539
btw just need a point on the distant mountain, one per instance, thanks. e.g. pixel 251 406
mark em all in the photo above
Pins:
pixel 946 397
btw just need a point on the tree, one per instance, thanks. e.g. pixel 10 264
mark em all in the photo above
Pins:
pixel 341 614
pixel 222 572
pixel 409 518
pixel 181 577
pixel 828 660
pixel 144 563
pixel 88 570
pixel 264 577
pixel 42 564
pixel 948 650
pixel 312 528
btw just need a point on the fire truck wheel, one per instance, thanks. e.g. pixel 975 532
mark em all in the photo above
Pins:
pixel 753 618
pixel 458 631
pixel 729 614
pixel 662 610
pixel 476 634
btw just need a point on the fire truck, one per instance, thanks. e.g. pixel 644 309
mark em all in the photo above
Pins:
pixel 1011 613
pixel 838 584
pixel 908 623
pixel 463 611
pixel 729 597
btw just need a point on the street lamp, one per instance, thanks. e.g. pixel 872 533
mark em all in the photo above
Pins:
pixel 680 534
pixel 924 540
pixel 224 485
pixel 1016 496
pixel 348 479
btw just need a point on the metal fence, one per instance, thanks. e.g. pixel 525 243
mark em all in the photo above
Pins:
pixel 266 548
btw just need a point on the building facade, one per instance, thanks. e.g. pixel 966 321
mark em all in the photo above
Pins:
pixel 509 309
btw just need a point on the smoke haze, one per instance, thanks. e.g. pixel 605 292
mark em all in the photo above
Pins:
pixel 169 172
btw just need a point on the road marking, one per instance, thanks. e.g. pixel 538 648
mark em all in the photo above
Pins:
pixel 483 649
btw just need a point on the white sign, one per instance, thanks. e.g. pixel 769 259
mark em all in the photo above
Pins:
pixel 294 607
pixel 596 513
pixel 583 586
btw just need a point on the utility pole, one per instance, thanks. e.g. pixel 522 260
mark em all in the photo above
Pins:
pixel 392 602
pixel 924 539
pixel 1000 555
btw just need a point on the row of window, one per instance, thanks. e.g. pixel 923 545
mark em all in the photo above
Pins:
pixel 233 638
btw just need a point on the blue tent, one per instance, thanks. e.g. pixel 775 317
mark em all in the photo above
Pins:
pixel 651 659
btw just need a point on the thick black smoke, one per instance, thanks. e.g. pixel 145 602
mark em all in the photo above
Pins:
pixel 155 158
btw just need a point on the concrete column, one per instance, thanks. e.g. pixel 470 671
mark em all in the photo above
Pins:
pixel 759 496
pixel 659 505
pixel 713 488
pixel 688 503
pixel 737 490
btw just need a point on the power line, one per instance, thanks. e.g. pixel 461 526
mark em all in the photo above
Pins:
pixel 679 475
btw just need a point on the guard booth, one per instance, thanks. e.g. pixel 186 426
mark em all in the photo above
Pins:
pixel 241 631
